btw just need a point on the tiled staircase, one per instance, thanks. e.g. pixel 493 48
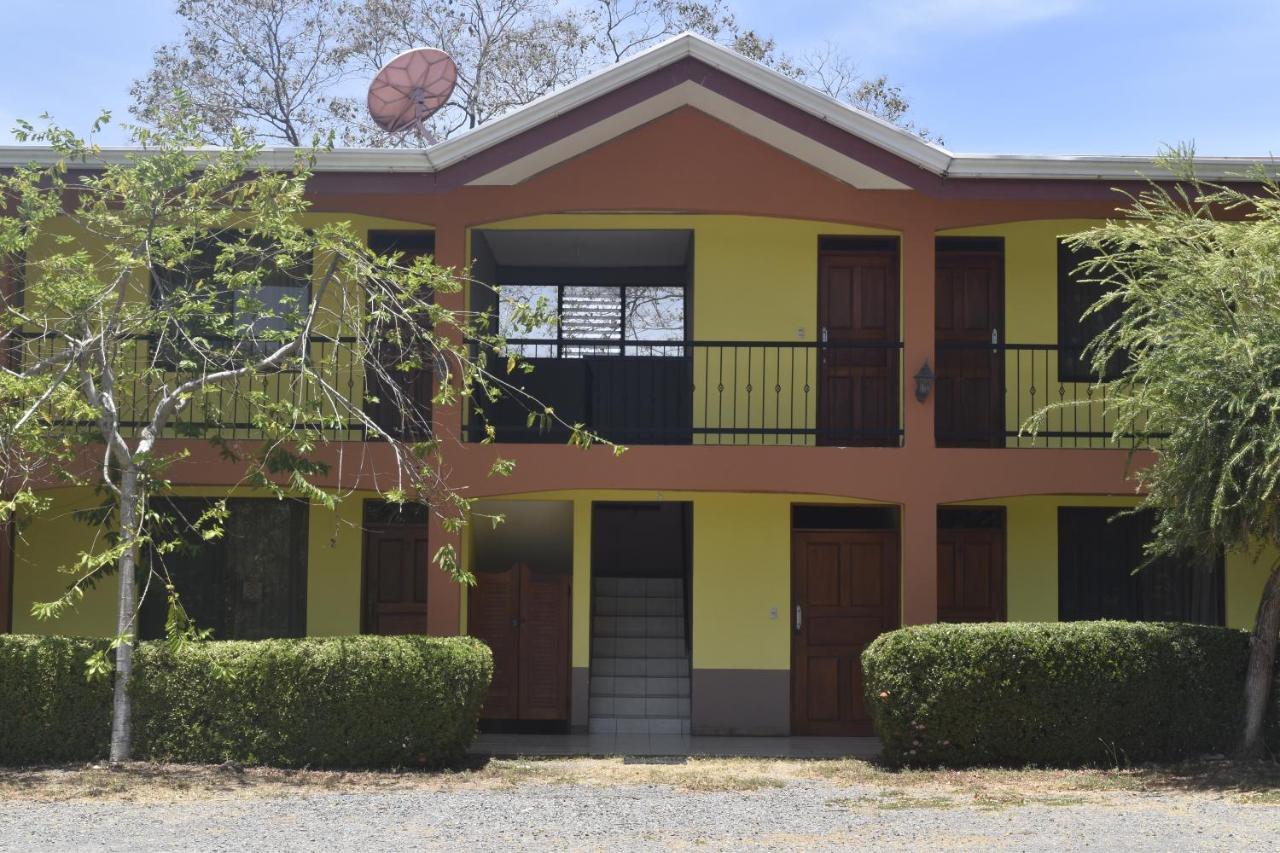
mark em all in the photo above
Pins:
pixel 639 657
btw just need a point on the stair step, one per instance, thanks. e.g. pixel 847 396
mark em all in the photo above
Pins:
pixel 651 605
pixel 639 647
pixel 638 587
pixel 639 706
pixel 608 685
pixel 673 667
pixel 630 725
pixel 638 626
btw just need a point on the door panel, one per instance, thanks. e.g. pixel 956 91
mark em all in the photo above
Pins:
pixel 524 617
pixel 544 646
pixel 971 575
pixel 857 303
pixel 493 616
pixel 395 588
pixel 845 586
pixel 969 408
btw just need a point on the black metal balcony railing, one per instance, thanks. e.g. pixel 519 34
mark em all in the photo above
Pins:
pixel 987 394
pixel 234 410
pixel 707 392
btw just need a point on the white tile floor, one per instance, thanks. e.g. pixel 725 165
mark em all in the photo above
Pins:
pixel 507 745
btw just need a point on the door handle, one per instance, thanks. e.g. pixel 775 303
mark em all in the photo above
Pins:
pixel 799 618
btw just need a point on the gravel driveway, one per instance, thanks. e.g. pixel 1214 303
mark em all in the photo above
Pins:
pixel 810 815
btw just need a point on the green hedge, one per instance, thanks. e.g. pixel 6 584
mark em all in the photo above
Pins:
pixel 1059 694
pixel 333 702
pixel 49 711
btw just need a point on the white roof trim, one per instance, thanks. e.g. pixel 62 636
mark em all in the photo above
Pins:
pixel 932 158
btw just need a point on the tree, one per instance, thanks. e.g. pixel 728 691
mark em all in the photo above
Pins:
pixel 271 65
pixel 508 53
pixel 159 288
pixel 289 69
pixel 1191 271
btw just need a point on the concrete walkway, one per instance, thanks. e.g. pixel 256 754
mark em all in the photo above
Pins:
pixel 509 745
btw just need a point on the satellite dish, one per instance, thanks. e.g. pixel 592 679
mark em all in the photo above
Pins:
pixel 410 88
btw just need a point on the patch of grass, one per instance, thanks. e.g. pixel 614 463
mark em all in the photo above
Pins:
pixel 869 785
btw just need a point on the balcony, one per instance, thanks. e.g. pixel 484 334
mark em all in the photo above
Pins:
pixel 987 393
pixel 707 392
pixel 237 410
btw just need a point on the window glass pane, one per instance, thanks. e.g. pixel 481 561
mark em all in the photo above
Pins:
pixel 512 301
pixel 592 314
pixel 655 313
pixel 1097 555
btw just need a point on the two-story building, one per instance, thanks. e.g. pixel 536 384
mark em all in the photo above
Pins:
pixel 819 336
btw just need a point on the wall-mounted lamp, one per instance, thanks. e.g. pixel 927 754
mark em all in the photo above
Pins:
pixel 924 381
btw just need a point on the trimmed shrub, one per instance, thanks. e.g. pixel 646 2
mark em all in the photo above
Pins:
pixel 334 702
pixel 49 711
pixel 1058 694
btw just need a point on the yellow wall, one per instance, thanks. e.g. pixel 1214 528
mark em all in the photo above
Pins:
pixel 741 572
pixel 1032 560
pixel 53 540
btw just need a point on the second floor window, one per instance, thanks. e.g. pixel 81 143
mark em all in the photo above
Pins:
pixel 1075 330
pixel 596 320
pixel 243 321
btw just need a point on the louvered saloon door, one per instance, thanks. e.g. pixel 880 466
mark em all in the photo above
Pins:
pixel 523 616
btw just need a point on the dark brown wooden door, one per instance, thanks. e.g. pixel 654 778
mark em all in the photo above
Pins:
pixel 844 594
pixel 544 645
pixel 971 575
pixel 858 386
pixel 493 615
pixel 395 579
pixel 969 408
pixel 524 617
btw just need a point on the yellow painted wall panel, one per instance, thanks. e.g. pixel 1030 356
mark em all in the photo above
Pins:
pixel 741 572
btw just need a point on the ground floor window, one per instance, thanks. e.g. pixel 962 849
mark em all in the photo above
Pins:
pixel 249 584
pixel 1098 552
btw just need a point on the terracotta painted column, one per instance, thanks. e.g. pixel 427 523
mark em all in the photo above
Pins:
pixel 919 510
pixel 918 296
pixel 444 596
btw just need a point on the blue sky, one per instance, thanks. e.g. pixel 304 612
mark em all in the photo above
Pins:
pixel 1008 76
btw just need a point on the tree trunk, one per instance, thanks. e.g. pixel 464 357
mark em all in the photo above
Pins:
pixel 1262 658
pixel 121 707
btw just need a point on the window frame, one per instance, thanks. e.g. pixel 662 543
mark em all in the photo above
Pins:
pixel 1075 331
pixel 623 344
pixel 164 281
pixel 1113 538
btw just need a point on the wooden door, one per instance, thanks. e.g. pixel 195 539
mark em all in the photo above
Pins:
pixel 395 578
pixel 544 646
pixel 524 618
pixel 969 408
pixel 971 575
pixel 844 594
pixel 493 615
pixel 858 386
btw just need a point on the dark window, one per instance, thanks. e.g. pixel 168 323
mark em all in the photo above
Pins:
pixel 247 323
pixel 1097 554
pixel 844 517
pixel 249 584
pixel 1076 331
pixel 596 319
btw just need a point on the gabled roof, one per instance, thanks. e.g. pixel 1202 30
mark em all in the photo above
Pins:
pixel 689 70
